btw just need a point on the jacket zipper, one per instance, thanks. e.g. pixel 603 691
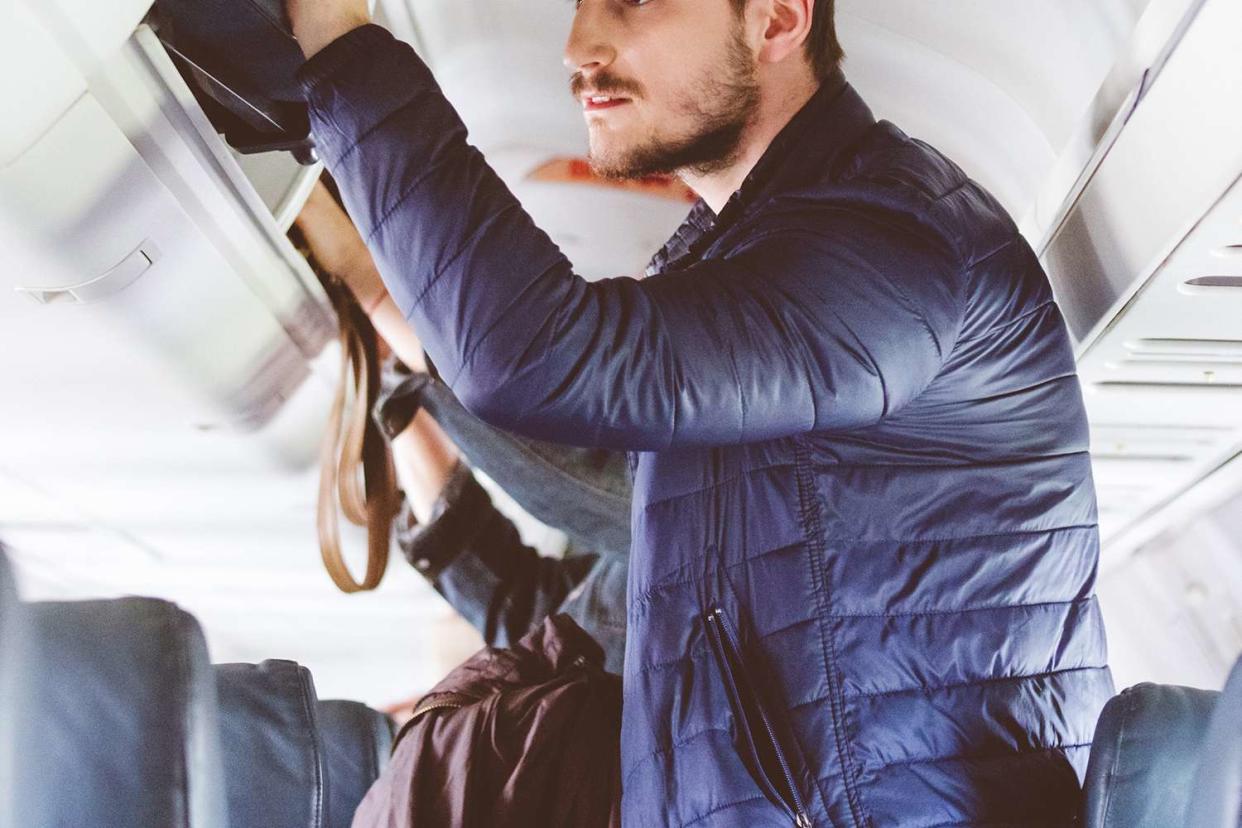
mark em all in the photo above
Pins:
pixel 440 702
pixel 437 701
pixel 438 706
pixel 728 653
pixel 455 701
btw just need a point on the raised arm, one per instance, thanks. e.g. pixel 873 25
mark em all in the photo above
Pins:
pixel 698 357
pixel 473 556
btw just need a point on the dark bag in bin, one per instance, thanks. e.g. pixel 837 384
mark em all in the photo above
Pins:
pixel 240 59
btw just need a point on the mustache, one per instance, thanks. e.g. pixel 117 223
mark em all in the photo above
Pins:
pixel 604 83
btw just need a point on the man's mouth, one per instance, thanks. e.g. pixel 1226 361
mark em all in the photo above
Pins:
pixel 594 103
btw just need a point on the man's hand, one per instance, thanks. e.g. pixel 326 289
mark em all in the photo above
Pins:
pixel 338 248
pixel 316 23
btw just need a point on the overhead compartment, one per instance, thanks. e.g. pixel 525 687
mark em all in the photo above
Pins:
pixel 125 251
pixel 1144 260
pixel 135 217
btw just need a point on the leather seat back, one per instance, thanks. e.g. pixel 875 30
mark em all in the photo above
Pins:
pixel 274 760
pixel 1217 800
pixel 357 742
pixel 12 647
pixel 119 728
pixel 1166 756
pixel 1144 755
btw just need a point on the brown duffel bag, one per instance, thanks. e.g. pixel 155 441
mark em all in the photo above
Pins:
pixel 528 736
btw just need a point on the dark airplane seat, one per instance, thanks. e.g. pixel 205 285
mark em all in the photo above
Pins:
pixel 118 725
pixel 1166 756
pixel 11 657
pixel 357 742
pixel 1144 756
pixel 275 768
pixel 1217 799
pixel 8 587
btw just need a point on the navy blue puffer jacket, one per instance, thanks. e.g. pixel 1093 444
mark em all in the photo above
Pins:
pixel 864 551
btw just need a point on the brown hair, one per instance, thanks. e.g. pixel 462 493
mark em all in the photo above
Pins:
pixel 823 50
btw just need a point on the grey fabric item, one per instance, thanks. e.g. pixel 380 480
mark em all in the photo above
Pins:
pixel 120 727
pixel 8 586
pixel 1143 758
pixel 274 764
pixel 357 742
pixel 12 652
pixel 1217 801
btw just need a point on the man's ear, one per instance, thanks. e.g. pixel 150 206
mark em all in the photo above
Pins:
pixel 788 25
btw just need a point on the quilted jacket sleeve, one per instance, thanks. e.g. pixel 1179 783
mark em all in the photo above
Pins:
pixel 827 319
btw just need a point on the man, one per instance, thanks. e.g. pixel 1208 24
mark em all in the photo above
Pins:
pixel 864 528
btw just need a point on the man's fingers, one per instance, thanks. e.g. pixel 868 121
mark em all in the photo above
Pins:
pixel 316 23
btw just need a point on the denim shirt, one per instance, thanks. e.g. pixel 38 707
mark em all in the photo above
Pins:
pixel 473 555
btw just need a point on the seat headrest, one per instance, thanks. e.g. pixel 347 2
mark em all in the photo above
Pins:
pixel 1217 802
pixel 8 586
pixel 119 728
pixel 1143 758
pixel 357 742
pixel 12 668
pixel 273 760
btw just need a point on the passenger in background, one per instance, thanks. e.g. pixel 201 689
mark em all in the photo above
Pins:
pixel 447 527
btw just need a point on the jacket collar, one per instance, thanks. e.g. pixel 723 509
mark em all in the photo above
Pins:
pixel 834 118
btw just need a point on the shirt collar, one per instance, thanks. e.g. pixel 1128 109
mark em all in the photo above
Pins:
pixel 834 118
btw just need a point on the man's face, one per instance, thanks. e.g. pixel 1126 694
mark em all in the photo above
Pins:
pixel 665 85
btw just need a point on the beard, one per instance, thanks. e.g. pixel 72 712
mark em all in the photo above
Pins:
pixel 719 108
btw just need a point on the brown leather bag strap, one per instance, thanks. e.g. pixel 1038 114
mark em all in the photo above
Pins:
pixel 368 498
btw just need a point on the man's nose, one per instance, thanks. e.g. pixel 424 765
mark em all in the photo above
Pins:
pixel 589 47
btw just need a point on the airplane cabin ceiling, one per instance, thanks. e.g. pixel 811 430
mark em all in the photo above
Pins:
pixel 998 85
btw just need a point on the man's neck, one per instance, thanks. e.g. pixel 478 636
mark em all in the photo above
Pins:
pixel 775 111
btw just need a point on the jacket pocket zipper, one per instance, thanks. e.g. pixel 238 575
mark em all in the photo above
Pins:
pixel 436 701
pixel 740 690
pixel 441 705
pixel 454 701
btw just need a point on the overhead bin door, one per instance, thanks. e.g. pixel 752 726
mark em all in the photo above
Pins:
pixel 104 238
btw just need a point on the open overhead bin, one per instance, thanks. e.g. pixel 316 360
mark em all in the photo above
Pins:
pixel 134 215
pixel 1140 236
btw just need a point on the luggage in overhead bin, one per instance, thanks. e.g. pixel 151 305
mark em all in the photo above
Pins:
pixel 239 58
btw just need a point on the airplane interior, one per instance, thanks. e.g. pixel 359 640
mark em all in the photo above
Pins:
pixel 169 360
